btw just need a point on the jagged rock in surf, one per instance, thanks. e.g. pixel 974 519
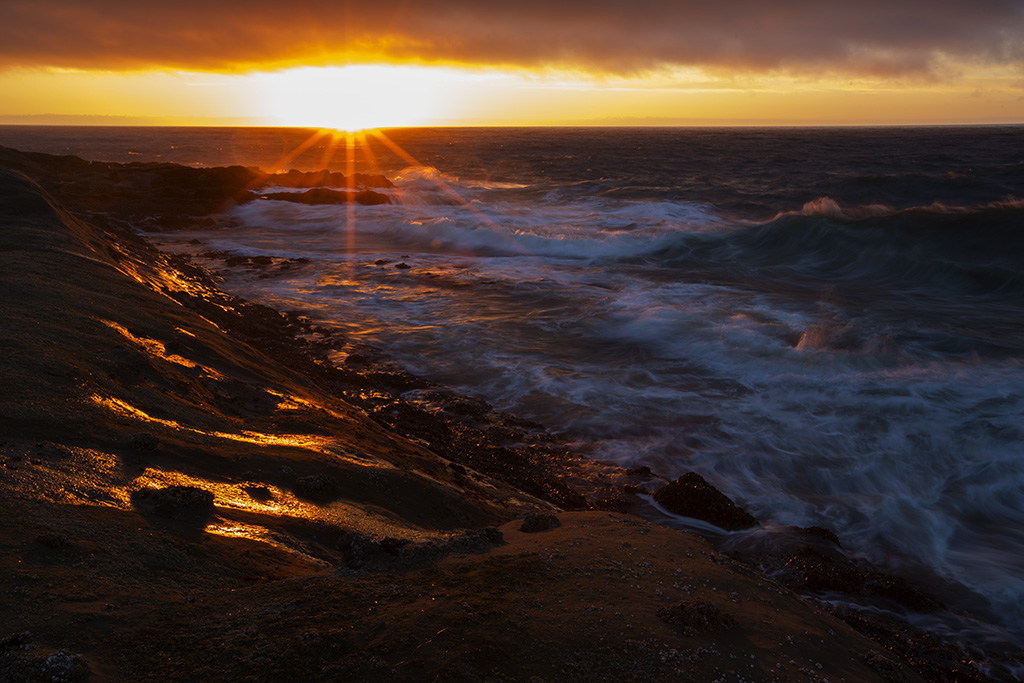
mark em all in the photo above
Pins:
pixel 691 496
pixel 320 195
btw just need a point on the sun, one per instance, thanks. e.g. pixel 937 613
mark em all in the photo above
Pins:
pixel 352 98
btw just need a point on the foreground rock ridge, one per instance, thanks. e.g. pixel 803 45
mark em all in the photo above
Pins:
pixel 190 491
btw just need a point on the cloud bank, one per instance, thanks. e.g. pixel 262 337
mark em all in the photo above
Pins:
pixel 887 37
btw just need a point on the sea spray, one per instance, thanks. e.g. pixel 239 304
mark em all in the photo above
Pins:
pixel 826 323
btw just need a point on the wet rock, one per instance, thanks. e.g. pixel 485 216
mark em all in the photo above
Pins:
pixel 934 658
pixel 694 617
pixel 175 500
pixel 613 502
pixel 143 441
pixel 324 178
pixel 821 533
pixel 319 195
pixel 536 523
pixel 809 569
pixel 318 485
pixel 371 198
pixel 691 496
pixel 403 266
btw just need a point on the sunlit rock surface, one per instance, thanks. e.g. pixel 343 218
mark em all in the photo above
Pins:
pixel 189 492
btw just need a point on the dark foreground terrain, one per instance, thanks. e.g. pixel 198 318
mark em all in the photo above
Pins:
pixel 190 491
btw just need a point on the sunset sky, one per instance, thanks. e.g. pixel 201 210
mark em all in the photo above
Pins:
pixel 531 62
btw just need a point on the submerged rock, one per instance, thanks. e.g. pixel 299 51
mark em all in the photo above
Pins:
pixel 691 496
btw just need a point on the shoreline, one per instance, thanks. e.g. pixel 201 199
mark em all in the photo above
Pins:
pixel 140 375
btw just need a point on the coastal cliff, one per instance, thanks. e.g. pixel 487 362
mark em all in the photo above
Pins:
pixel 191 492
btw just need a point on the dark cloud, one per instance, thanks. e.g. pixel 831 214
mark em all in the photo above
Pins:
pixel 887 36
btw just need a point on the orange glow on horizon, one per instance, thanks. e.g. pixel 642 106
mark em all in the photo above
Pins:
pixel 373 96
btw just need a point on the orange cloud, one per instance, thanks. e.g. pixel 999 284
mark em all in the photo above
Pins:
pixel 870 36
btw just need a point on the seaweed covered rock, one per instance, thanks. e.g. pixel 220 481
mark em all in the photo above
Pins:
pixel 691 496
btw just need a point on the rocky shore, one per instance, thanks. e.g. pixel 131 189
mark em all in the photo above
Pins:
pixel 191 490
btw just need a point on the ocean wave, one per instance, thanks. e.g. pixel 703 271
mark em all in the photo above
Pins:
pixel 938 250
pixel 437 216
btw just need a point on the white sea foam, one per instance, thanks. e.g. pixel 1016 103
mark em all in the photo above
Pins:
pixel 804 410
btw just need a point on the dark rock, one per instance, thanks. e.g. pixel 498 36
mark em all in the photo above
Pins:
pixel 392 545
pixel 317 486
pixel 822 533
pixel 809 569
pixel 691 496
pixel 612 502
pixel 887 669
pixel 403 266
pixel 694 617
pixel 319 195
pixel 371 198
pixel 174 500
pixel 52 540
pixel 934 658
pixel 324 178
pixel 535 523
pixel 261 493
pixel 143 441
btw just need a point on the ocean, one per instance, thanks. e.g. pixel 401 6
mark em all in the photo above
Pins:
pixel 828 324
